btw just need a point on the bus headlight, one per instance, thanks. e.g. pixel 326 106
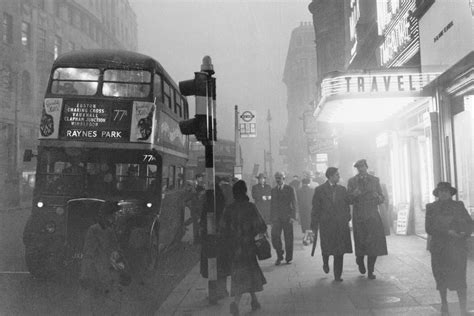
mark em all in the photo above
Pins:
pixel 149 205
pixel 51 227
pixel 59 210
pixel 40 204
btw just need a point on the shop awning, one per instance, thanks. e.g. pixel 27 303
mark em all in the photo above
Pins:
pixel 369 96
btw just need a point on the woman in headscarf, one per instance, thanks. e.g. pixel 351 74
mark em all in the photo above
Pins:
pixel 450 225
pixel 241 223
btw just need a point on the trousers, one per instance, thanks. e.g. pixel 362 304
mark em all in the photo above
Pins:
pixel 287 227
pixel 337 264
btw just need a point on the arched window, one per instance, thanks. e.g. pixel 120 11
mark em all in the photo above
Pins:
pixel 6 85
pixel 26 89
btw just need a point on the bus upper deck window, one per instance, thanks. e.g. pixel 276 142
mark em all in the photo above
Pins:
pixel 75 81
pixel 126 83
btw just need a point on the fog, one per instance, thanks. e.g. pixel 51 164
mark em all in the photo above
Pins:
pixel 248 42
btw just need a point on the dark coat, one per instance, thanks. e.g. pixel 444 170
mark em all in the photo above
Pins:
pixel 369 235
pixel 241 223
pixel 305 197
pixel 283 204
pixel 258 192
pixel 223 264
pixel 331 212
pixel 448 254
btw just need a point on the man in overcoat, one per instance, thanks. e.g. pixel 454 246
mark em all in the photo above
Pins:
pixel 261 194
pixel 366 195
pixel 283 215
pixel 331 212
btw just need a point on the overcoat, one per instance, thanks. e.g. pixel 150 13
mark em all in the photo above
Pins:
pixel 331 211
pixel 448 254
pixel 369 235
pixel 305 196
pixel 241 223
pixel 283 204
pixel 263 204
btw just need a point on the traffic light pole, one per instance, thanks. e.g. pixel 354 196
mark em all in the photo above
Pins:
pixel 203 126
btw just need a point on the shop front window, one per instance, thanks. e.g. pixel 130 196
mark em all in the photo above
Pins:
pixel 464 151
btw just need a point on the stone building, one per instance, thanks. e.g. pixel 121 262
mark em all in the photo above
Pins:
pixel 33 34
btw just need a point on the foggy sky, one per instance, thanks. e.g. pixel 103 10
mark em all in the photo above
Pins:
pixel 248 42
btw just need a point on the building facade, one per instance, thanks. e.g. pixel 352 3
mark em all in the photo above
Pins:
pixel 299 77
pixel 33 34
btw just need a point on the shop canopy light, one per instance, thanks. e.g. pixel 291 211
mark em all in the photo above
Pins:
pixel 362 110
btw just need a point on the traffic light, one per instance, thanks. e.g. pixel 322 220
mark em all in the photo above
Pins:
pixel 198 87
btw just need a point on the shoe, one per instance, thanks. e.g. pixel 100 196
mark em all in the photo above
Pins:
pixel 288 261
pixel 338 279
pixel 372 276
pixel 255 305
pixel 278 262
pixel 326 268
pixel 361 267
pixel 234 309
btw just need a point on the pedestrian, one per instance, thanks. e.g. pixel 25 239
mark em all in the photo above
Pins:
pixel 226 188
pixel 261 194
pixel 450 225
pixel 103 270
pixel 295 183
pixel 241 224
pixel 331 214
pixel 304 196
pixel 223 268
pixel 366 195
pixel 283 215
pixel 200 185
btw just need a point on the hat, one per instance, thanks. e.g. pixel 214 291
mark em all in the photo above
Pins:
pixel 444 186
pixel 361 162
pixel 261 175
pixel 279 174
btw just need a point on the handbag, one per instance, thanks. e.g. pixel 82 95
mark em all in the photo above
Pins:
pixel 263 247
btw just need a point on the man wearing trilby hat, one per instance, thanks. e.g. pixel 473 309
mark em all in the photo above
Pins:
pixel 261 194
pixel 366 195
pixel 450 225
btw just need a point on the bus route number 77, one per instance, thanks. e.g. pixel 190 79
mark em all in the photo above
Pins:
pixel 119 115
pixel 148 158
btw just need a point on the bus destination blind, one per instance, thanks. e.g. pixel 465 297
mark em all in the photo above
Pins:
pixel 93 120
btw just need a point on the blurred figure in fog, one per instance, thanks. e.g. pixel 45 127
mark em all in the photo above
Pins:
pixel 283 214
pixel 200 185
pixel 331 215
pixel 450 225
pixel 262 194
pixel 295 183
pixel 366 195
pixel 226 188
pixel 305 197
pixel 103 267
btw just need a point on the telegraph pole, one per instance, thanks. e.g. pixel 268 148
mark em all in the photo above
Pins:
pixel 270 156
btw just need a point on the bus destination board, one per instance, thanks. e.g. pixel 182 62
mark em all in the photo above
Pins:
pixel 95 120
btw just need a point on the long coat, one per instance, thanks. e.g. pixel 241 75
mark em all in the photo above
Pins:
pixel 369 235
pixel 258 192
pixel 448 254
pixel 283 204
pixel 241 223
pixel 305 196
pixel 331 212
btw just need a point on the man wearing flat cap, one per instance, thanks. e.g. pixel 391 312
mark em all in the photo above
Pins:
pixel 261 194
pixel 365 194
pixel 283 215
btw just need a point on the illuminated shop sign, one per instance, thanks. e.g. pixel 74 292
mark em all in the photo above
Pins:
pixel 353 19
pixel 375 84
pixel 400 30
pixel 92 120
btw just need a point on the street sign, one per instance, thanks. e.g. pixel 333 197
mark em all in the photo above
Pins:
pixel 248 124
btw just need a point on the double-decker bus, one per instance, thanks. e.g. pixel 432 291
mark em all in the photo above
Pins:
pixel 108 132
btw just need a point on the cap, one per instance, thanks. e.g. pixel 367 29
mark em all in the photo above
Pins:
pixel 361 162
pixel 261 175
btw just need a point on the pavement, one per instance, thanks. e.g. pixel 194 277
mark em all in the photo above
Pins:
pixel 404 286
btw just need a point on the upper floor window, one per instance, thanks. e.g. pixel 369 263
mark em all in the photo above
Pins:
pixel 25 35
pixel 7 28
